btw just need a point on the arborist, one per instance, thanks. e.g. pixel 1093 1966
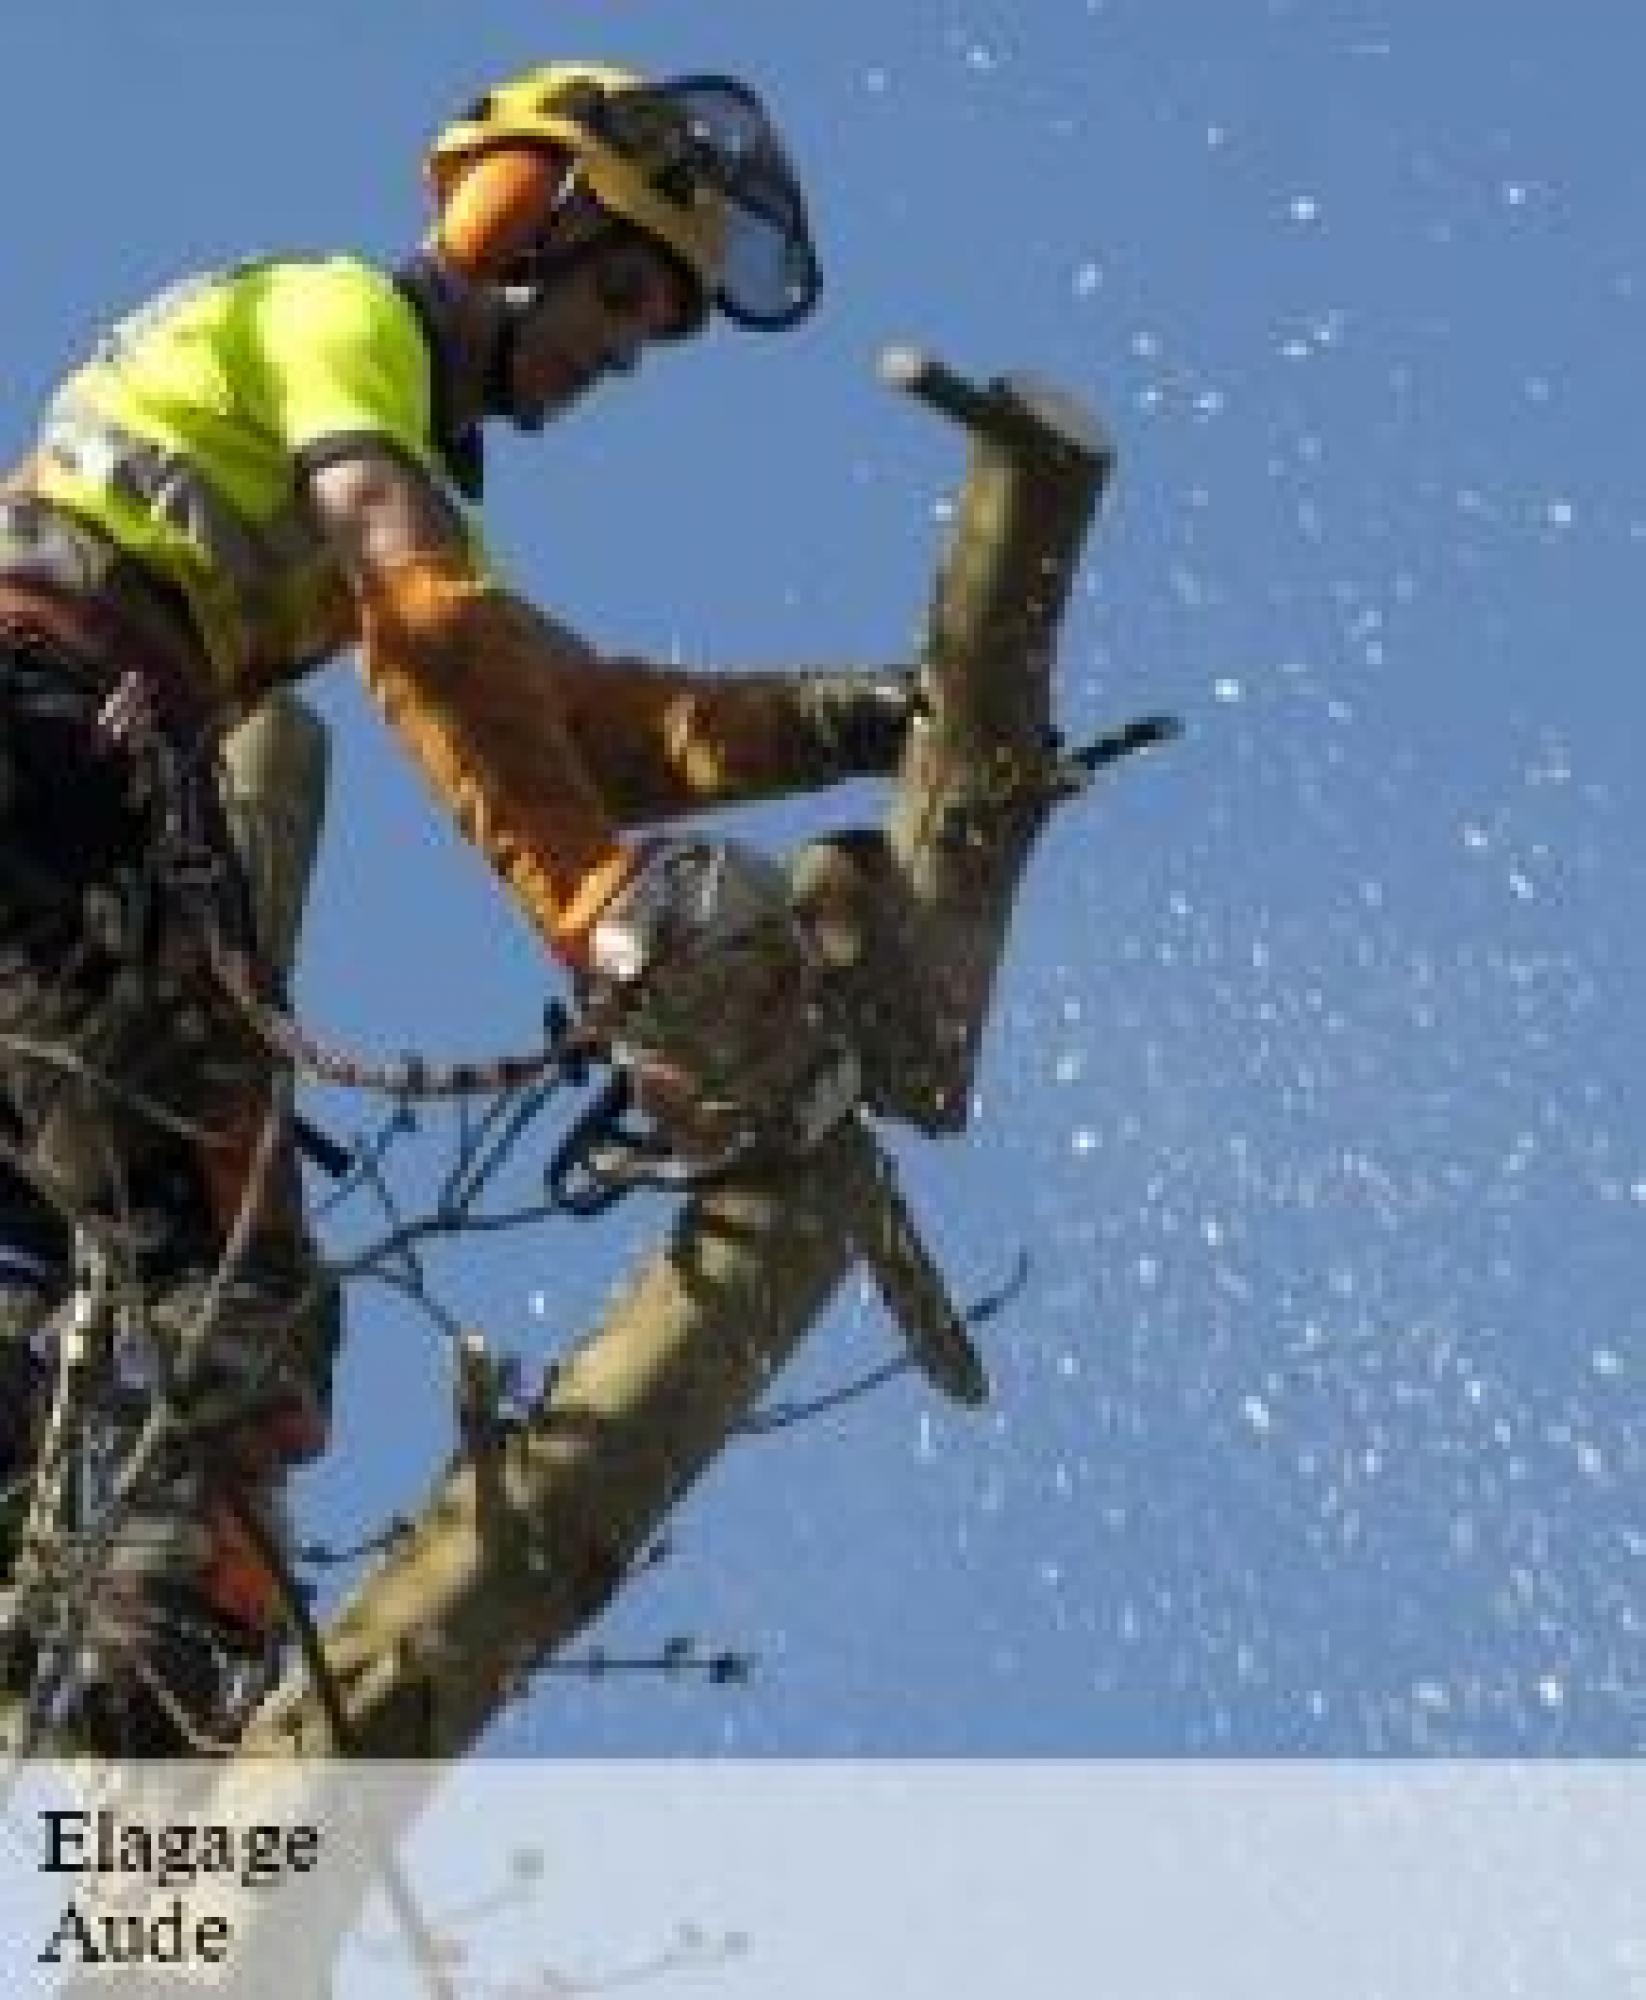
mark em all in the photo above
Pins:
pixel 255 472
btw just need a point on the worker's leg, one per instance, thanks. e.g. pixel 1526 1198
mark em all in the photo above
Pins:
pixel 171 1160
pixel 134 1093
pixel 186 1602
pixel 280 1319
pixel 34 1256
pixel 273 774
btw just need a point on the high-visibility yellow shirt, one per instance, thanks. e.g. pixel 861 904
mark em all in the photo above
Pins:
pixel 186 436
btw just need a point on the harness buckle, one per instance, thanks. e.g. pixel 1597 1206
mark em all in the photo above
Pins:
pixel 128 717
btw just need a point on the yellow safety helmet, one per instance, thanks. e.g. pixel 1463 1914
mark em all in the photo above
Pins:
pixel 695 164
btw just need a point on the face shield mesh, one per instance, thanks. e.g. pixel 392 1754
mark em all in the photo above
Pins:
pixel 713 132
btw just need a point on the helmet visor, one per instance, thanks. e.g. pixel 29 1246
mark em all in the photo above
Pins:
pixel 711 132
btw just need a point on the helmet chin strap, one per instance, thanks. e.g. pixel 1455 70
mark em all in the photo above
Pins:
pixel 519 303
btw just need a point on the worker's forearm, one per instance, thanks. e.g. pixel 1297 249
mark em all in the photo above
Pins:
pixel 470 678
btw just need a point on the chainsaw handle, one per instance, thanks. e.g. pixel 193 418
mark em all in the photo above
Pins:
pixel 603 1158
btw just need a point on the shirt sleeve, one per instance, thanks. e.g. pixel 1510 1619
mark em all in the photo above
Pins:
pixel 343 362
pixel 342 366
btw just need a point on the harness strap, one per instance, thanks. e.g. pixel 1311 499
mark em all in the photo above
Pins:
pixel 142 697
pixel 101 639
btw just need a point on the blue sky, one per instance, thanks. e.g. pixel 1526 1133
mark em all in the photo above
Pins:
pixel 1313 1091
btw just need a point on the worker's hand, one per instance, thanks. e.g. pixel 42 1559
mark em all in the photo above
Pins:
pixel 864 715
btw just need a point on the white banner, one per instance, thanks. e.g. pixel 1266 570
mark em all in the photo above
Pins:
pixel 826 1881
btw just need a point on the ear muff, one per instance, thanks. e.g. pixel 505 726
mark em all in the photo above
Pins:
pixel 497 207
